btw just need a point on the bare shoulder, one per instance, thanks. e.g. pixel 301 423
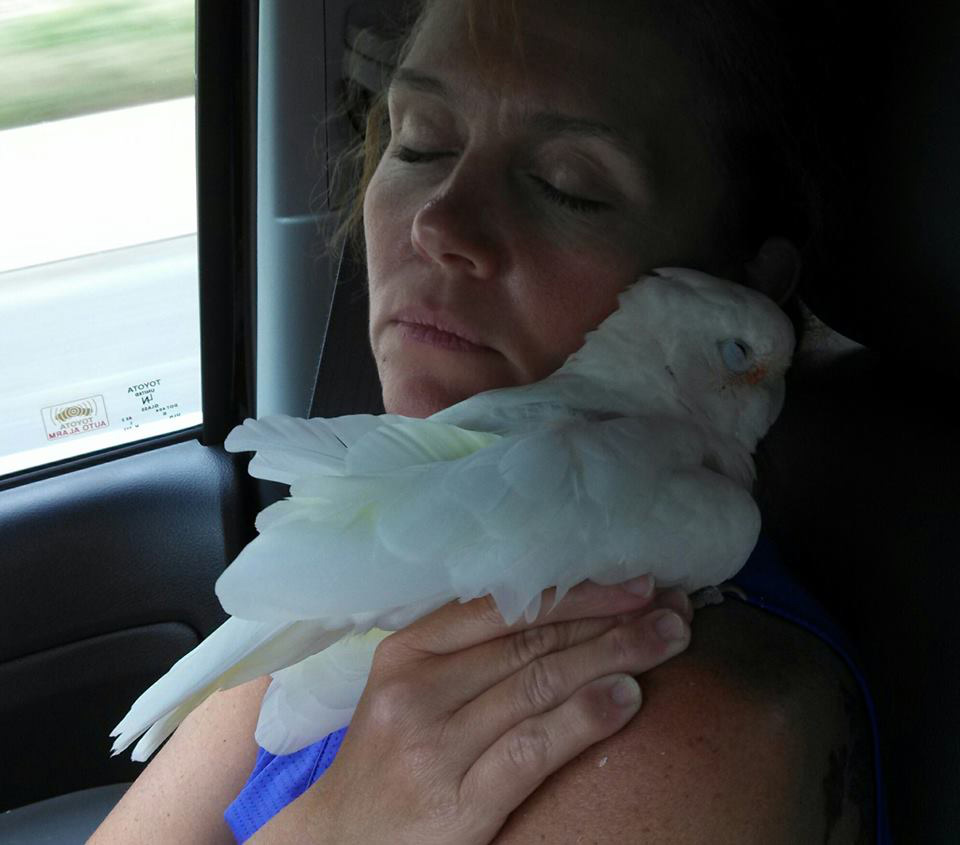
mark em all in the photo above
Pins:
pixel 183 792
pixel 756 734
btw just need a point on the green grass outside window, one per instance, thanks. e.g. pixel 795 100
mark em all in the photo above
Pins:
pixel 93 55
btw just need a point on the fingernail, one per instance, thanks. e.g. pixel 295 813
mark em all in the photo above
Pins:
pixel 669 627
pixel 625 692
pixel 642 586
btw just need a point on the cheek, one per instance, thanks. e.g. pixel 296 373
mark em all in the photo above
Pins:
pixel 387 237
pixel 389 204
pixel 574 293
pixel 377 224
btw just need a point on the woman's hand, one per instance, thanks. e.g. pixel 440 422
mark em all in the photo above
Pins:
pixel 463 717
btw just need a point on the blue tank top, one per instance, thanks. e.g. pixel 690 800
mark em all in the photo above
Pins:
pixel 763 582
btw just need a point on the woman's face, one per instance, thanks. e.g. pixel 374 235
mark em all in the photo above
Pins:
pixel 520 194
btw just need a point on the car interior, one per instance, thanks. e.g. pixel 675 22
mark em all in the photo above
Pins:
pixel 109 560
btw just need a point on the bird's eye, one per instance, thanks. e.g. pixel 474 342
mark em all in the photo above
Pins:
pixel 737 355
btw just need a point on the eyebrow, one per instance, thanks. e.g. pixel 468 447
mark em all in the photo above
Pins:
pixel 547 122
pixel 419 81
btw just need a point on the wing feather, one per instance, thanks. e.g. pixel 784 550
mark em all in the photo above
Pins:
pixel 288 447
pixel 607 499
pixel 316 696
pixel 236 652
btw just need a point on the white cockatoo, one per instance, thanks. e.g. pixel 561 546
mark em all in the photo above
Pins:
pixel 634 457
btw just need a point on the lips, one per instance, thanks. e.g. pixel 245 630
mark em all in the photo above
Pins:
pixel 437 329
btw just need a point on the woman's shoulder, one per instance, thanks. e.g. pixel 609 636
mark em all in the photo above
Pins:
pixel 755 734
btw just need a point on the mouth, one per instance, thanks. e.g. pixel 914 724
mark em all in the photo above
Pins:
pixel 438 331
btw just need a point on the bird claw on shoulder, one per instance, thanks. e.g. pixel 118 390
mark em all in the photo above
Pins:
pixel 705 597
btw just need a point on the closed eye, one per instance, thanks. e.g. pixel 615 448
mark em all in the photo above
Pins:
pixel 737 355
pixel 567 200
pixel 416 156
pixel 555 195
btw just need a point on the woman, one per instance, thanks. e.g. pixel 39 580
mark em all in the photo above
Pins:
pixel 541 156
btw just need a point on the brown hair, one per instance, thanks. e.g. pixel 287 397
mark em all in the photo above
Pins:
pixel 763 73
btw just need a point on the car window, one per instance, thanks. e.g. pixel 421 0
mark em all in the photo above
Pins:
pixel 98 253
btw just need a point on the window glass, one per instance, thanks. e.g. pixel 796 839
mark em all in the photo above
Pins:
pixel 99 317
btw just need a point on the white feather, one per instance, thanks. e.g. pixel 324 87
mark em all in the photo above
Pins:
pixel 634 457
pixel 238 651
pixel 316 696
pixel 287 447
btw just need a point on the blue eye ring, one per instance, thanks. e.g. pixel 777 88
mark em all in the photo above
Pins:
pixel 736 354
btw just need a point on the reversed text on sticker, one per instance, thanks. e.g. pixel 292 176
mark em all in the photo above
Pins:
pixel 81 416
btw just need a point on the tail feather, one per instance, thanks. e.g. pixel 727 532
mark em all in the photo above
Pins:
pixel 161 729
pixel 237 652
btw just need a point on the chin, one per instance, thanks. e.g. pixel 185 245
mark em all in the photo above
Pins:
pixel 421 397
pixel 419 401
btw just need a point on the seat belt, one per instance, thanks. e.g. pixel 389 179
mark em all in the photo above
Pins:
pixel 347 380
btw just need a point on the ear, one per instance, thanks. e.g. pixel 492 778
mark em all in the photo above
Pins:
pixel 775 269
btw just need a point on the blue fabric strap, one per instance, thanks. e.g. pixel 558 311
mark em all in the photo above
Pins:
pixel 278 780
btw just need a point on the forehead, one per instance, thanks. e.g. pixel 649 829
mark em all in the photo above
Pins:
pixel 603 61
pixel 603 56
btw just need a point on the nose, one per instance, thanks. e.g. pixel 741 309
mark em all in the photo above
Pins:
pixel 454 230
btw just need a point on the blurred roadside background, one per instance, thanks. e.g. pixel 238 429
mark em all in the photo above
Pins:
pixel 63 58
pixel 98 268
pixel 96 126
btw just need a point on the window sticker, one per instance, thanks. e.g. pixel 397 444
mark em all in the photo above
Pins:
pixel 50 424
pixel 76 418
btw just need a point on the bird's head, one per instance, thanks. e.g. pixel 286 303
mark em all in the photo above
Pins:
pixel 690 343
